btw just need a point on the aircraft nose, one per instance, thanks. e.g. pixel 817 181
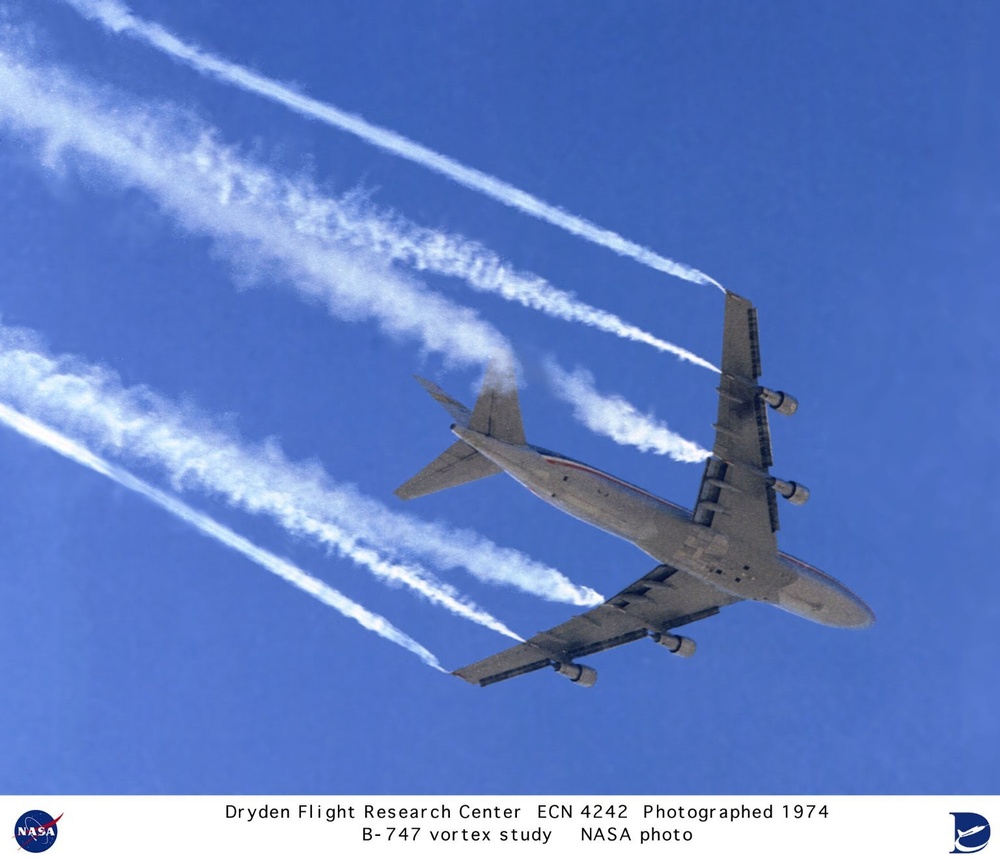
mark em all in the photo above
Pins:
pixel 850 611
pixel 862 616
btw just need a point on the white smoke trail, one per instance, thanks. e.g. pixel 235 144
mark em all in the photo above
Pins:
pixel 353 221
pixel 117 17
pixel 71 401
pixel 207 526
pixel 302 498
pixel 211 191
pixel 615 417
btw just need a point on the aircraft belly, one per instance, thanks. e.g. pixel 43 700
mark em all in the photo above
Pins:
pixel 622 513
pixel 584 492
pixel 662 530
pixel 724 562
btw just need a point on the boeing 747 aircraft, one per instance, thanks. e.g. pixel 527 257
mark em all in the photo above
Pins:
pixel 723 552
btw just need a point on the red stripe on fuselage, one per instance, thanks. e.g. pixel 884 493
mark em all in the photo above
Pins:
pixel 572 464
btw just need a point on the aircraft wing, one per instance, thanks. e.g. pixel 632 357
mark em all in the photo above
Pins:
pixel 736 497
pixel 663 599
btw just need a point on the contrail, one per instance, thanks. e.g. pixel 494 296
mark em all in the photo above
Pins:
pixel 303 499
pixel 352 221
pixel 615 417
pixel 211 191
pixel 117 17
pixel 207 526
pixel 72 402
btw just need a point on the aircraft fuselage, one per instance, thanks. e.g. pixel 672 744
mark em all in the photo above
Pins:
pixel 666 532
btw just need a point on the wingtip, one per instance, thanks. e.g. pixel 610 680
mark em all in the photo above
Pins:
pixel 458 674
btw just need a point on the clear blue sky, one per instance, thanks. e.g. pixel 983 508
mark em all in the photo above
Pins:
pixel 834 162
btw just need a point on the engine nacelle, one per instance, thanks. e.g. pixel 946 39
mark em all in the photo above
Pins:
pixel 577 673
pixel 797 494
pixel 679 645
pixel 779 401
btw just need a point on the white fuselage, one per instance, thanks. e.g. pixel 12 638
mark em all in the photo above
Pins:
pixel 666 532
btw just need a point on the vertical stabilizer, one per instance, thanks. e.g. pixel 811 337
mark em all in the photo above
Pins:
pixel 498 412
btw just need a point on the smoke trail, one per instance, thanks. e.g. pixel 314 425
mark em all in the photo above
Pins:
pixel 207 526
pixel 71 401
pixel 209 187
pixel 354 222
pixel 117 17
pixel 302 498
pixel 615 417
pixel 211 191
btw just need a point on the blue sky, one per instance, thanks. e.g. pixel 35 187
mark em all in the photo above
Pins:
pixel 835 163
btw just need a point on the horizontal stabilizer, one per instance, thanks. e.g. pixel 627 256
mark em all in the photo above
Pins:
pixel 460 464
pixel 455 409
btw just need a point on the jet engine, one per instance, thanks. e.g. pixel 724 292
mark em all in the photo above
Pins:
pixel 779 401
pixel 577 673
pixel 679 645
pixel 797 494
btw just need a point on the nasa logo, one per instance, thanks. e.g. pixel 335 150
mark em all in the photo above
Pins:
pixel 36 831
pixel 972 832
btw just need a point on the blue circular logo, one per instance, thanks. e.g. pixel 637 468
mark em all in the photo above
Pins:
pixel 36 831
